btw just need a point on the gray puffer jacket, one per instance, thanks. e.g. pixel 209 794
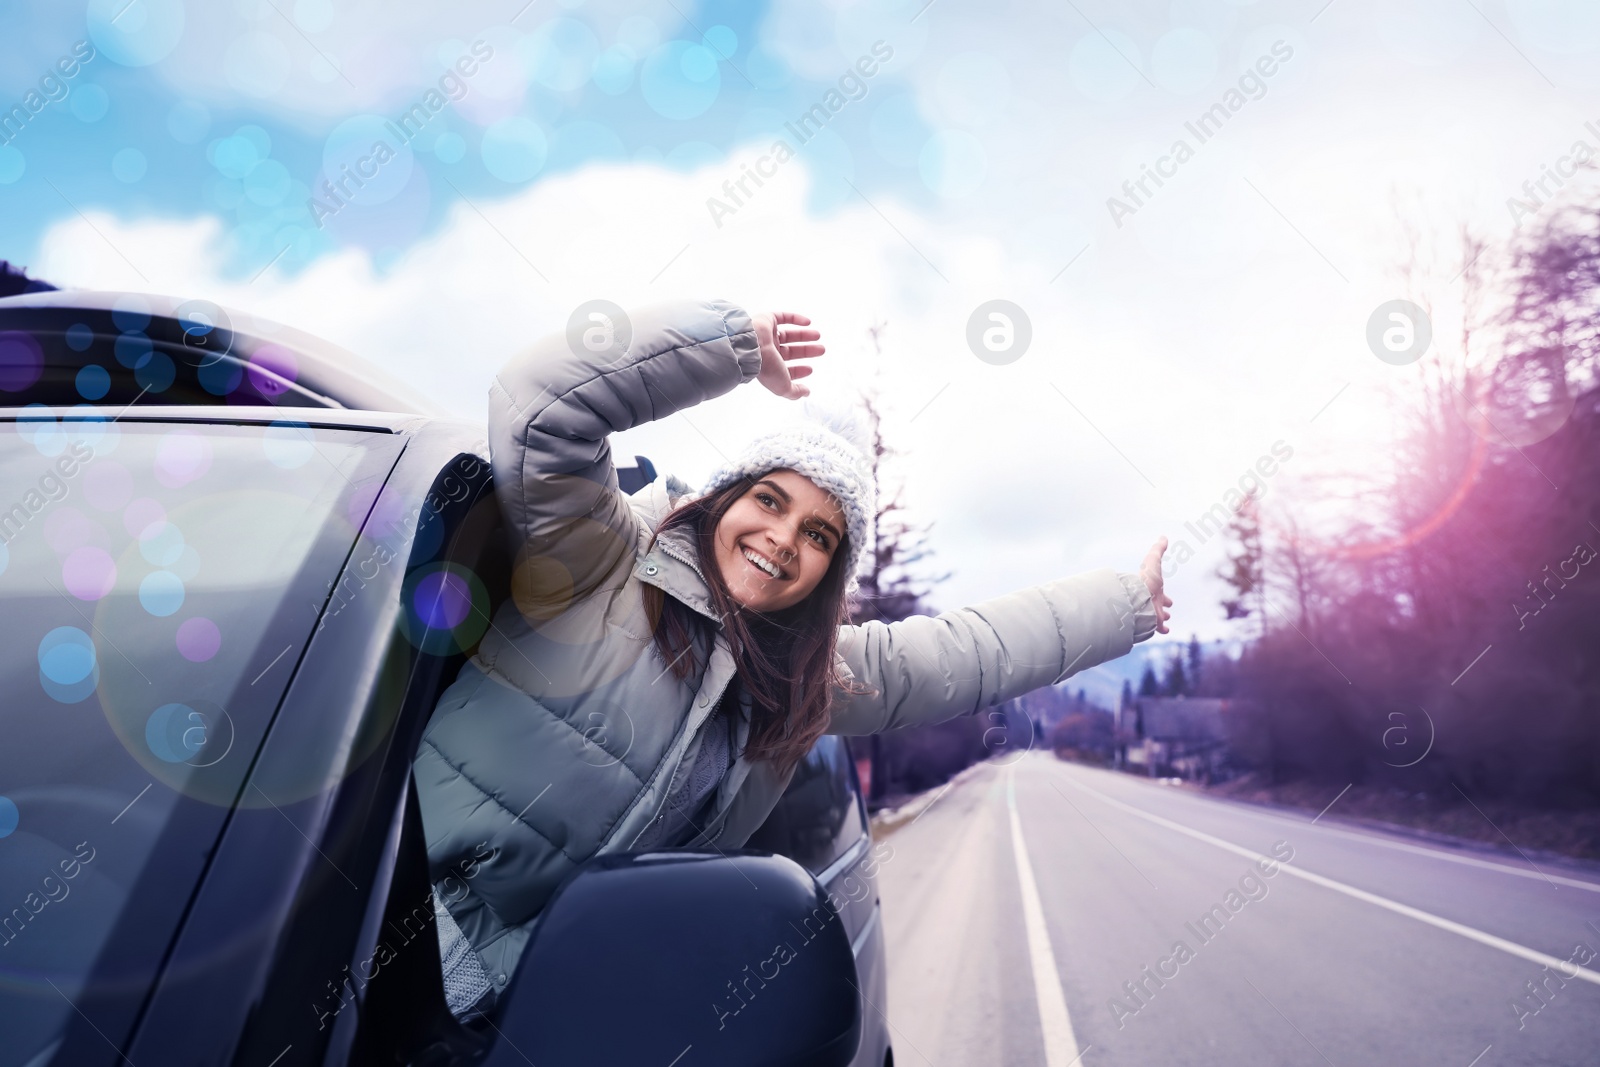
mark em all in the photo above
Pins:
pixel 562 736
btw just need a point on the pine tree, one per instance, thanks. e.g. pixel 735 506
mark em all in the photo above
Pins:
pixel 1148 686
pixel 1245 571
pixel 1176 683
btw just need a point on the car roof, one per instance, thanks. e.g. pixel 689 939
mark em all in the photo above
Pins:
pixel 324 371
pixel 400 422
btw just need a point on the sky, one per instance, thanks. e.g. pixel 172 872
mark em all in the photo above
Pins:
pixel 1183 330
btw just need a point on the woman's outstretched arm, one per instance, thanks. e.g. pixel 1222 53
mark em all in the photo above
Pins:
pixel 928 669
pixel 552 408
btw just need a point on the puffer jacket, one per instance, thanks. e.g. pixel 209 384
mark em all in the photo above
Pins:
pixel 562 736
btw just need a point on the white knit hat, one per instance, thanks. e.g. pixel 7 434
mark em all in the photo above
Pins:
pixel 824 452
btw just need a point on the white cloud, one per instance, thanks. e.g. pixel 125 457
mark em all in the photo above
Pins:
pixel 1165 361
pixel 1185 342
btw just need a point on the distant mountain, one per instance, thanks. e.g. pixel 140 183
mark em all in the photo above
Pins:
pixel 1102 684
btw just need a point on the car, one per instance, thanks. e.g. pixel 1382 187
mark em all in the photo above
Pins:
pixel 237 568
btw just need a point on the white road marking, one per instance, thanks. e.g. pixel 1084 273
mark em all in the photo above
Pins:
pixel 1448 925
pixel 1422 850
pixel 1469 861
pixel 1059 1041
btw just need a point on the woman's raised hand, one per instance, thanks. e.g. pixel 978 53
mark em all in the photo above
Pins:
pixel 784 336
pixel 1150 571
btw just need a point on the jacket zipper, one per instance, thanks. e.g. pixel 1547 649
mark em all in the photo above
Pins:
pixel 666 795
pixel 680 769
pixel 667 549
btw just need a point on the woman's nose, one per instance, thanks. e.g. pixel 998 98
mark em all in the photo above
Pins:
pixel 783 546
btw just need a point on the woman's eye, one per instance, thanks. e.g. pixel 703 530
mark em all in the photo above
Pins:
pixel 822 540
pixel 765 498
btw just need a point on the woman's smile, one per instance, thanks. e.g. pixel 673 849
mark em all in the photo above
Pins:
pixel 767 567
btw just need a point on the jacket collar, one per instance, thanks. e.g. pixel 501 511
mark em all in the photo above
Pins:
pixel 671 564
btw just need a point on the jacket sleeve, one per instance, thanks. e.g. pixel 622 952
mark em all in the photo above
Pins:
pixel 552 407
pixel 927 669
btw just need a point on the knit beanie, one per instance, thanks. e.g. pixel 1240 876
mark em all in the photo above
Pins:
pixel 823 449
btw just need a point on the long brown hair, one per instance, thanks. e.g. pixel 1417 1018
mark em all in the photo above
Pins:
pixel 783 659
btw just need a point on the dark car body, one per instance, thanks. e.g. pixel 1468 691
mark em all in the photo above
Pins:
pixel 258 890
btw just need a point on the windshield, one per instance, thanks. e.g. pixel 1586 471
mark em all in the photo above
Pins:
pixel 157 584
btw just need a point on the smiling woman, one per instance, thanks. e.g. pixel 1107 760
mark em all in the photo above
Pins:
pixel 785 525
pixel 668 659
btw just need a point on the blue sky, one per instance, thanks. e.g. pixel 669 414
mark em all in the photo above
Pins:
pixel 1181 328
pixel 242 114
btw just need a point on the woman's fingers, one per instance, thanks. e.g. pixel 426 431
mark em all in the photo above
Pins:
pixel 790 318
pixel 1153 577
pixel 800 351
pixel 1152 564
pixel 800 344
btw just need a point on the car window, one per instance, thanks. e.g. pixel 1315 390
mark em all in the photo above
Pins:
pixel 157 583
pixel 117 368
pixel 819 815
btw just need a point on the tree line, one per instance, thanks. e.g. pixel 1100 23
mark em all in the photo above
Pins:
pixel 1427 621
pixel 1432 622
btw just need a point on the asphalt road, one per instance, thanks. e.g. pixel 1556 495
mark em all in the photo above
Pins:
pixel 1362 948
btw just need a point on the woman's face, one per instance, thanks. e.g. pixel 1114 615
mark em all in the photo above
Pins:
pixel 775 543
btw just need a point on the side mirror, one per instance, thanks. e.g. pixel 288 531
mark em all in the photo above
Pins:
pixel 684 957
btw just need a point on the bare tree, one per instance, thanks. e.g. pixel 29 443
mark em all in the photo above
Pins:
pixel 1556 302
pixel 890 589
pixel 1299 563
pixel 1455 578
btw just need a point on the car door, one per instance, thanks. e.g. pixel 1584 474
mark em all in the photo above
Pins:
pixel 290 947
pixel 155 577
pixel 821 823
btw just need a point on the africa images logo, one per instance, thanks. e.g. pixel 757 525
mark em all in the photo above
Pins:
pixel 452 89
pixel 852 86
pixel 53 88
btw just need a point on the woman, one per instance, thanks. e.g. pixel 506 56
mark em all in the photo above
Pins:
pixel 665 659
